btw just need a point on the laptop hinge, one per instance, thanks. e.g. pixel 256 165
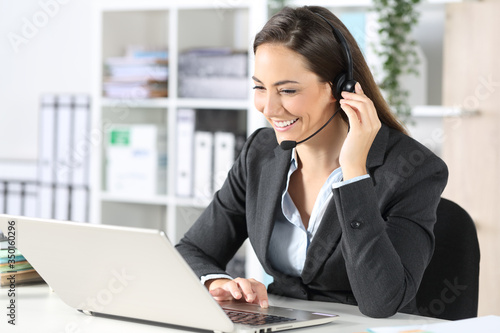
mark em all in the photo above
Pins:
pixel 87 312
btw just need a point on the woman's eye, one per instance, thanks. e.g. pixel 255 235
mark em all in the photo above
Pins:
pixel 288 91
pixel 258 88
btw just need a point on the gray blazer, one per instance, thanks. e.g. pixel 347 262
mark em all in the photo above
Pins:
pixel 374 241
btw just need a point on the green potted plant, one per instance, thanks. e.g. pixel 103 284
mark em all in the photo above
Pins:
pixel 396 49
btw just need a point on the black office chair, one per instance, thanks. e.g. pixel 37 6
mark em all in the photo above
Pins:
pixel 450 285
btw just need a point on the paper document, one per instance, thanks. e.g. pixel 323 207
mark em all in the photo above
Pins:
pixel 487 324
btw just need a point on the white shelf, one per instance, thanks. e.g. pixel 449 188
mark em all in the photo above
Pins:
pixel 192 202
pixel 138 199
pixel 154 200
pixel 440 111
pixel 135 103
pixel 212 103
pixel 195 103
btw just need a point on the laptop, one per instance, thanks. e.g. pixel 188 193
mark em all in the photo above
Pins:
pixel 136 274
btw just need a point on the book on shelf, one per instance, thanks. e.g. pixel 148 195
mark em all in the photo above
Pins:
pixel 141 73
pixel 217 120
pixel 20 277
pixel 15 269
pixel 133 72
pixel 213 62
pixel 208 142
pixel 203 170
pixel 132 60
pixel 224 143
pixel 10 254
pixel 213 73
pixel 235 88
pixel 18 266
pixel 63 158
pixel 186 120
pixel 137 88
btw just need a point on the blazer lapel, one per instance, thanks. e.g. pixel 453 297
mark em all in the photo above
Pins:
pixel 272 182
pixel 323 244
pixel 329 232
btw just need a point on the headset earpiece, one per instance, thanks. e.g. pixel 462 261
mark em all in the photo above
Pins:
pixel 341 84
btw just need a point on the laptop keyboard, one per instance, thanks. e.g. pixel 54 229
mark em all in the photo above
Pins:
pixel 254 319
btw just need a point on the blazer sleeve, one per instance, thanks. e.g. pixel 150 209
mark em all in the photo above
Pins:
pixel 387 227
pixel 221 229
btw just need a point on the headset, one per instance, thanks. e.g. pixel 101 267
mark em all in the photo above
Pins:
pixel 343 81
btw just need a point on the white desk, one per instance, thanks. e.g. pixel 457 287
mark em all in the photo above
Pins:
pixel 40 310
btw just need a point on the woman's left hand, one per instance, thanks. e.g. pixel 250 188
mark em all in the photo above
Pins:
pixel 364 126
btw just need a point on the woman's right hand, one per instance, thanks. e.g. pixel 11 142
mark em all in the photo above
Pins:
pixel 250 290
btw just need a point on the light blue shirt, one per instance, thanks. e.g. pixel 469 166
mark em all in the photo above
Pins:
pixel 290 239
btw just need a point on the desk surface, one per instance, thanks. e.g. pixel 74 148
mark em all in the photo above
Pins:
pixel 40 310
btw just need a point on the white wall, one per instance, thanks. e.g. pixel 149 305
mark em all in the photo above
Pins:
pixel 430 35
pixel 45 47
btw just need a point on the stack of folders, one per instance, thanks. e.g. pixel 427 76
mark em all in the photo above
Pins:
pixel 213 73
pixel 14 269
pixel 204 157
pixel 139 74
pixel 136 159
pixel 64 157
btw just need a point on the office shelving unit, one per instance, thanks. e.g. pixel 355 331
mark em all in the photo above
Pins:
pixel 176 26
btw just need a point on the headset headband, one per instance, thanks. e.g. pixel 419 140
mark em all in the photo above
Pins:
pixel 342 41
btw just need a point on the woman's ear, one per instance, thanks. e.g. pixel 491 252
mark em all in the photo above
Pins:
pixel 330 88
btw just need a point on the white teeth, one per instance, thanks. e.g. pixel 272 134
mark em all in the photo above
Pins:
pixel 285 123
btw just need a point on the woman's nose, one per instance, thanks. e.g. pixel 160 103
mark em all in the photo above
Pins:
pixel 272 105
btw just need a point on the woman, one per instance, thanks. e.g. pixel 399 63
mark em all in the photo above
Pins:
pixel 347 215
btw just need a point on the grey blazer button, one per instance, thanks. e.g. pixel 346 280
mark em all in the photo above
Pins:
pixel 356 224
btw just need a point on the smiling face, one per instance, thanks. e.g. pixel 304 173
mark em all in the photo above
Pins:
pixel 291 97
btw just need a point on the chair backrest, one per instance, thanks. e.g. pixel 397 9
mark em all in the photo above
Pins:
pixel 450 285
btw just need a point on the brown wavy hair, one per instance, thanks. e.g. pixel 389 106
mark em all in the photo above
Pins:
pixel 306 33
